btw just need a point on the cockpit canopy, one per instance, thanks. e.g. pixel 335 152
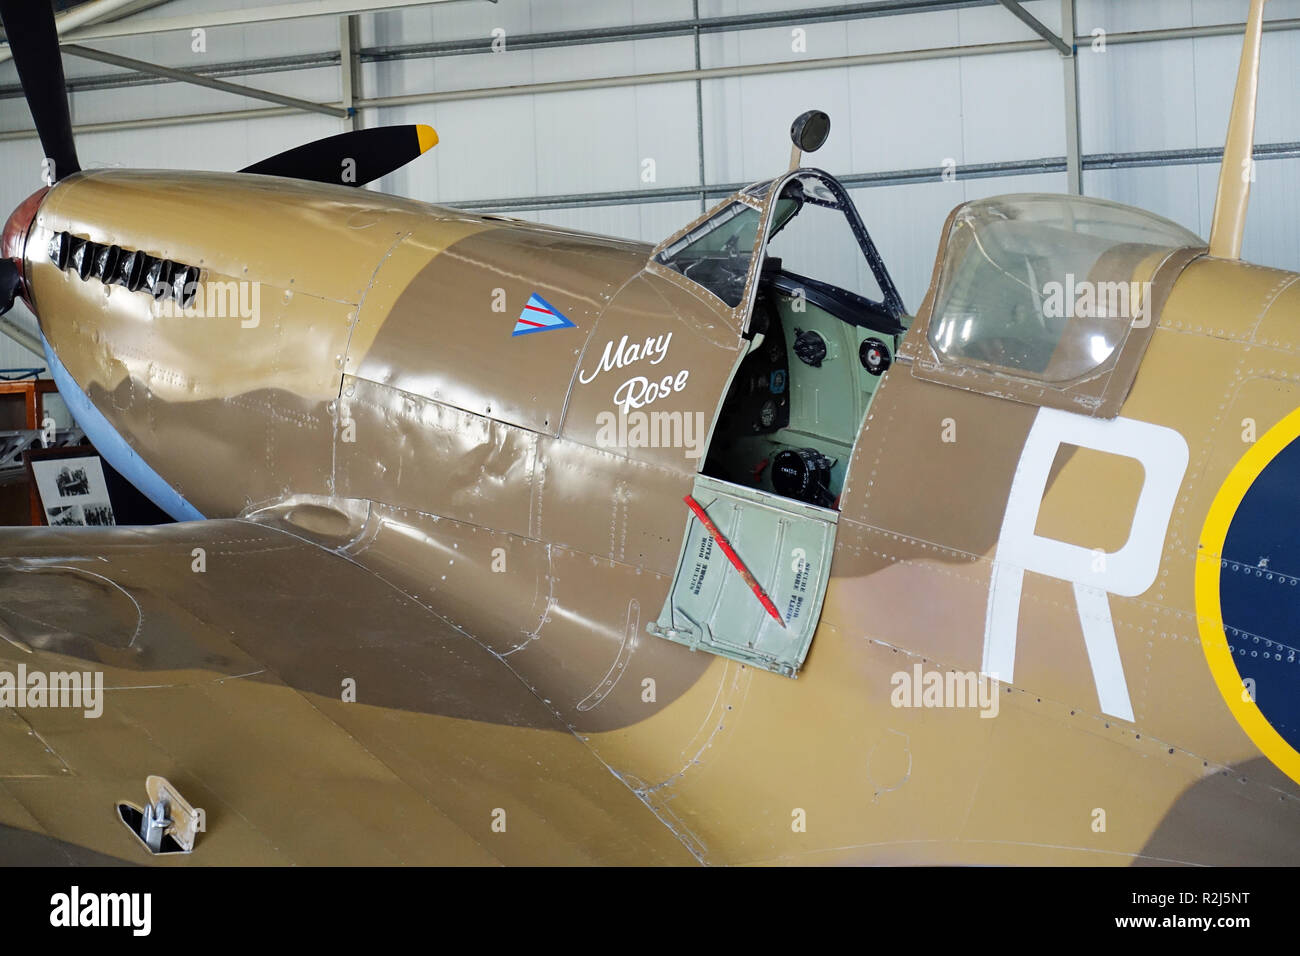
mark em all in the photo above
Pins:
pixel 1037 296
pixel 1045 286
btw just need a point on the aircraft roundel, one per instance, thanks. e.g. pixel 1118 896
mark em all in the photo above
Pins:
pixel 1248 593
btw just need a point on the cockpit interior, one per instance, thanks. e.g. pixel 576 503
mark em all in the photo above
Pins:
pixel 823 324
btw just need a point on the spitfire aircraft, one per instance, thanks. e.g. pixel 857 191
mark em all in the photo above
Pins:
pixel 502 543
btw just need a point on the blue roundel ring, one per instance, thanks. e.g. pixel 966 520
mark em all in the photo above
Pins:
pixel 1248 593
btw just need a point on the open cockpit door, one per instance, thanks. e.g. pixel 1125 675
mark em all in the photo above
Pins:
pixel 822 321
pixel 786 545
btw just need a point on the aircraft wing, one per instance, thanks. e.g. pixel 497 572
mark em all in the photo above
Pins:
pixel 229 650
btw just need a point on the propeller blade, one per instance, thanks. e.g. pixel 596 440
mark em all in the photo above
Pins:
pixel 34 42
pixel 350 159
pixel 11 284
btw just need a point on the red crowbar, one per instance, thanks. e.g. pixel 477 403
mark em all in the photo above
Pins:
pixel 734 558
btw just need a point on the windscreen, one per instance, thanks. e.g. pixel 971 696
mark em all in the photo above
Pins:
pixel 716 254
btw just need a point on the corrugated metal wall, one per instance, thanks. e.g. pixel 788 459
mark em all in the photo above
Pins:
pixel 1165 95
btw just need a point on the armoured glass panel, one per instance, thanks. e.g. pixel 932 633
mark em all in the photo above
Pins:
pixel 716 254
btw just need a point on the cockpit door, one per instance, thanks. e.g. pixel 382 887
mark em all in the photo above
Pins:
pixel 786 545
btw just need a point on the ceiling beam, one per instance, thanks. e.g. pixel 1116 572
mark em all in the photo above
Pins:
pixel 535 41
pixel 330 58
pixel 301 10
pixel 1037 25
pixel 660 29
pixel 194 79
pixel 87 14
pixel 350 67
pixel 676 76
pixel 897 177
pixel 1017 46
pixel 1073 129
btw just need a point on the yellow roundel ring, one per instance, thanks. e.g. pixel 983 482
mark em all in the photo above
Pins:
pixel 1209 610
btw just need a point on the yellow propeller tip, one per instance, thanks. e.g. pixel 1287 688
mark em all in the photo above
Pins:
pixel 428 137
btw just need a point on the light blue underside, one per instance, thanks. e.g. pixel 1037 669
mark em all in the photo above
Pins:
pixel 114 448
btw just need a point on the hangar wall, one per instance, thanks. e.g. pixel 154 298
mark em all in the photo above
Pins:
pixel 578 157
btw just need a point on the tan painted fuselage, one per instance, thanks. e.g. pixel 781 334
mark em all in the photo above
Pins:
pixel 376 404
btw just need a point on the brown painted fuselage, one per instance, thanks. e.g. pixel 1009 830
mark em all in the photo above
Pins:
pixel 375 404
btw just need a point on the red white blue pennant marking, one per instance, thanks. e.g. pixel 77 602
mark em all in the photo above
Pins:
pixel 540 316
